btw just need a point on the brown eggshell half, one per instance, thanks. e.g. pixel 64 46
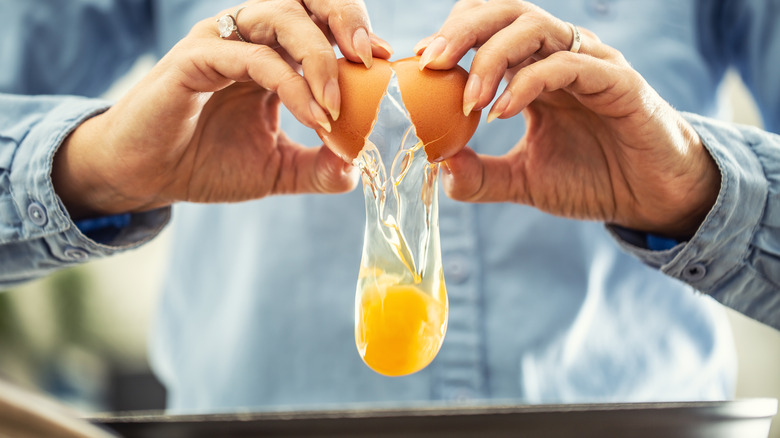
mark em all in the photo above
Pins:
pixel 433 98
pixel 362 90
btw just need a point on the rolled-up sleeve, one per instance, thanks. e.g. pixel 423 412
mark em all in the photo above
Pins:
pixel 37 235
pixel 735 255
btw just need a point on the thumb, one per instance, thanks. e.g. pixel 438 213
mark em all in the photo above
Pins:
pixel 471 177
pixel 331 174
pixel 312 170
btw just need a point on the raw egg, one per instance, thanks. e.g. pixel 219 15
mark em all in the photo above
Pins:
pixel 433 98
pixel 401 305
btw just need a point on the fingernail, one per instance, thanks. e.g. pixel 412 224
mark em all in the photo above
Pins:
pixel 319 115
pixel 423 43
pixel 379 42
pixel 362 45
pixel 433 51
pixel 471 94
pixel 500 106
pixel 332 97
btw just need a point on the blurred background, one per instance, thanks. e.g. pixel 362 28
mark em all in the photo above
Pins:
pixel 80 335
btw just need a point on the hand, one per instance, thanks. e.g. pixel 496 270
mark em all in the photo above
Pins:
pixel 600 143
pixel 203 125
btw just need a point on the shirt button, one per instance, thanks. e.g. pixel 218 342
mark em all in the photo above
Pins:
pixel 694 272
pixel 76 254
pixel 37 214
pixel 457 270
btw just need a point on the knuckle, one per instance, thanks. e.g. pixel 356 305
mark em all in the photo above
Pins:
pixel 321 55
pixel 468 4
pixel 259 54
pixel 355 8
pixel 574 60
pixel 289 78
pixel 524 6
pixel 350 12
pixel 514 4
pixel 489 57
pixel 288 7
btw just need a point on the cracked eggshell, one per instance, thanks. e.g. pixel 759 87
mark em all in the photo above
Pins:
pixel 433 98
pixel 362 90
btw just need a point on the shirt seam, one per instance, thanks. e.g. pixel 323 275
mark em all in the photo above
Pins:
pixel 744 259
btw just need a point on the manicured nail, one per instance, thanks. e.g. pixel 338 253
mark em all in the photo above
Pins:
pixel 379 42
pixel 471 93
pixel 362 45
pixel 433 51
pixel 319 115
pixel 332 97
pixel 500 106
pixel 423 43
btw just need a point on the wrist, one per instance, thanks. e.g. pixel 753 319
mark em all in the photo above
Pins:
pixel 693 192
pixel 705 191
pixel 79 173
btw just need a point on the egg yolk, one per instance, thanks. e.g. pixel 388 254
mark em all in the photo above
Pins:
pixel 399 328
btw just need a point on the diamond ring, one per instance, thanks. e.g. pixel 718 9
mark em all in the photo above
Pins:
pixel 227 24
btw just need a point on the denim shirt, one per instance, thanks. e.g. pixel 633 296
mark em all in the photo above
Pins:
pixel 258 307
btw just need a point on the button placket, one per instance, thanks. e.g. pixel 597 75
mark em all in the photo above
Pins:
pixel 460 364
pixel 457 270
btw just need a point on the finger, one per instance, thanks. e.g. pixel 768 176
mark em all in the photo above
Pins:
pixel 467 29
pixel 325 30
pixel 519 45
pixel 312 170
pixel 459 8
pixel 525 39
pixel 349 23
pixel 379 47
pixel 462 6
pixel 288 24
pixel 601 85
pixel 212 64
pixel 471 177
pixel 423 44
pixel 537 32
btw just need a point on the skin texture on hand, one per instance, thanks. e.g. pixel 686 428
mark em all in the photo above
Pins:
pixel 600 144
pixel 203 125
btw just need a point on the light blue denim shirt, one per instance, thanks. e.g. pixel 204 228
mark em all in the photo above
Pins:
pixel 258 308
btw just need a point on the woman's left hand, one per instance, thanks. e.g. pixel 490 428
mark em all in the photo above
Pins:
pixel 600 143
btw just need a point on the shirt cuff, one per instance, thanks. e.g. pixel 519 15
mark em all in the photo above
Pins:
pixel 41 212
pixel 716 259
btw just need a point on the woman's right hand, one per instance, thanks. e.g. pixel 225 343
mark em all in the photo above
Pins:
pixel 203 125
